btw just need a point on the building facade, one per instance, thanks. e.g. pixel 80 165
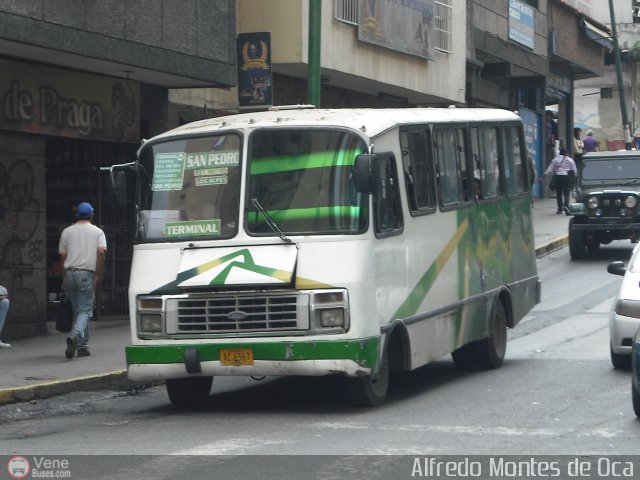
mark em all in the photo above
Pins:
pixel 525 55
pixel 373 54
pixel 598 100
pixel 81 83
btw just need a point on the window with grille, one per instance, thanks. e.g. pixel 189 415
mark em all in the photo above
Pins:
pixel 443 25
pixel 346 11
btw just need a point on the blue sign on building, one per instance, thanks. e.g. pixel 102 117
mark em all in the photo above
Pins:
pixel 522 23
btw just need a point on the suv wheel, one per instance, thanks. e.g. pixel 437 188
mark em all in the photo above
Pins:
pixel 577 244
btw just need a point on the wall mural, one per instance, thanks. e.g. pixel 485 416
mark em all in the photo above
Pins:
pixel 22 250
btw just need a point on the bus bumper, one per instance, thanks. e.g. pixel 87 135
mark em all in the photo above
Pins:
pixel 160 362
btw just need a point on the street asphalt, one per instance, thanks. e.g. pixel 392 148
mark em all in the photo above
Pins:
pixel 36 367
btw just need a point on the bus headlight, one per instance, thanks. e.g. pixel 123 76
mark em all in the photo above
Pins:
pixel 330 310
pixel 150 323
pixel 592 202
pixel 333 317
pixel 150 319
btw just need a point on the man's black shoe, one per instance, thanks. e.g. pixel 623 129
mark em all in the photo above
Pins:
pixel 70 351
pixel 83 352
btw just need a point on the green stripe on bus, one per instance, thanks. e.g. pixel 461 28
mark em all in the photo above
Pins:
pixel 421 289
pixel 362 351
pixel 261 165
pixel 306 213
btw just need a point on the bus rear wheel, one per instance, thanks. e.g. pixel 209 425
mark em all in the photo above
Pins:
pixel 371 390
pixel 488 353
pixel 189 392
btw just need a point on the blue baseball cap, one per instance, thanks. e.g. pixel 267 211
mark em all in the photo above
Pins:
pixel 84 210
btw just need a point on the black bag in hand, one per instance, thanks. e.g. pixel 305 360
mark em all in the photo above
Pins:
pixel 64 321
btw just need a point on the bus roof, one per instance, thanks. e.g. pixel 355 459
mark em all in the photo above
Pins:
pixel 370 121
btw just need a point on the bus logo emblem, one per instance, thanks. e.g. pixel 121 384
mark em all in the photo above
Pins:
pixel 236 316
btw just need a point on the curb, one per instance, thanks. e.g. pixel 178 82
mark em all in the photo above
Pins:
pixel 552 245
pixel 116 380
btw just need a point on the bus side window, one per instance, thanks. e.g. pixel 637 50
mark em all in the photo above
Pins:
pixel 387 209
pixel 453 183
pixel 515 161
pixel 476 162
pixel 491 172
pixel 487 169
pixel 418 167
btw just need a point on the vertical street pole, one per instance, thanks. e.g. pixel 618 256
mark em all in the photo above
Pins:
pixel 623 103
pixel 313 73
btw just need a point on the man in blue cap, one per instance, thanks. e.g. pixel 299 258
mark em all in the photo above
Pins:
pixel 82 250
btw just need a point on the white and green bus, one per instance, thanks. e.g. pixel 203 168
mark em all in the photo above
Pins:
pixel 301 241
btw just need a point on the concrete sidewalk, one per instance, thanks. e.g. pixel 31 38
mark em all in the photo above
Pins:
pixel 37 368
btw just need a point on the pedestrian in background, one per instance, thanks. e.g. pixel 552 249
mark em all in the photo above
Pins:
pixel 4 310
pixel 578 147
pixel 562 168
pixel 636 139
pixel 590 143
pixel 82 250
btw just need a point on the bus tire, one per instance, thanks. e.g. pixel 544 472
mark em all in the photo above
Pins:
pixel 489 352
pixel 463 358
pixel 371 390
pixel 189 392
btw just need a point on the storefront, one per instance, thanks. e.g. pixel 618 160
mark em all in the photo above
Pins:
pixel 57 128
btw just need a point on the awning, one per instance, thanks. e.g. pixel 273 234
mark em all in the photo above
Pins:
pixel 597 35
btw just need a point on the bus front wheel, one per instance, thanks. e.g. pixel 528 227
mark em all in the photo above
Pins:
pixel 371 390
pixel 189 392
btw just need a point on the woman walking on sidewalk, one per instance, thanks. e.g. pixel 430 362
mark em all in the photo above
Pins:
pixel 563 169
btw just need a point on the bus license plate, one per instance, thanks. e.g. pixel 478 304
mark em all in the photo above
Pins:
pixel 236 356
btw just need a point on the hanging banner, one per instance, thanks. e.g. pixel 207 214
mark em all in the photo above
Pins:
pixel 49 101
pixel 406 27
pixel 254 70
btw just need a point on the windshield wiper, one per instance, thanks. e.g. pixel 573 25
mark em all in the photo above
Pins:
pixel 272 225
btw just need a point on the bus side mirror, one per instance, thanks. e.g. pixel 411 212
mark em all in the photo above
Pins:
pixel 363 173
pixel 118 181
pixel 119 187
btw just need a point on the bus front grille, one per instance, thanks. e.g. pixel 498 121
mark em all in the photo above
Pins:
pixel 238 313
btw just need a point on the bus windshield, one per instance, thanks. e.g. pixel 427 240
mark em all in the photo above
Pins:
pixel 302 180
pixel 189 188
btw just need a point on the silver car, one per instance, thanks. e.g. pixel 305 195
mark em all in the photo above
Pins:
pixel 624 316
